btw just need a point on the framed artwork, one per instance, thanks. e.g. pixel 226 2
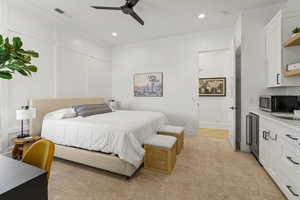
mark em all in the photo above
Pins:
pixel 212 87
pixel 148 84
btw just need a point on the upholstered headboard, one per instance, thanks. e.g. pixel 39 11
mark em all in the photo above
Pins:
pixel 44 106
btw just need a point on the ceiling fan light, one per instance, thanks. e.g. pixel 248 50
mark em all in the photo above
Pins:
pixel 114 34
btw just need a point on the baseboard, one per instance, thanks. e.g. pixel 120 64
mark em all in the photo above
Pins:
pixel 214 125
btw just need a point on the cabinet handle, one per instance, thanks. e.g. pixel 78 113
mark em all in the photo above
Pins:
pixel 291 137
pixel 292 161
pixel 277 78
pixel 290 188
pixel 266 135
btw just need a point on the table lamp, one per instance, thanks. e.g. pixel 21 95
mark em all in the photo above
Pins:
pixel 25 113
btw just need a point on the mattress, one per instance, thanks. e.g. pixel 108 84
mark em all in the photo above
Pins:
pixel 121 132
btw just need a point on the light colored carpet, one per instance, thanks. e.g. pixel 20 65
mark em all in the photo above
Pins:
pixel 214 133
pixel 207 169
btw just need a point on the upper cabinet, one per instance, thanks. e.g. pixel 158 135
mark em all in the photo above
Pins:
pixel 278 54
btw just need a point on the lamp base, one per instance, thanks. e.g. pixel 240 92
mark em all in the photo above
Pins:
pixel 23 136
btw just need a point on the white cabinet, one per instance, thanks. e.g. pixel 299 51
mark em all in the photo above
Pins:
pixel 280 155
pixel 270 142
pixel 274 51
pixel 277 31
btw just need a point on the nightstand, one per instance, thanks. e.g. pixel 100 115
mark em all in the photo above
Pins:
pixel 21 146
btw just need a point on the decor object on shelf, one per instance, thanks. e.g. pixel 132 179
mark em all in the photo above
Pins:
pixel 25 114
pixel 294 40
pixel 214 87
pixel 292 66
pixel 148 85
pixel 15 59
pixel 295 31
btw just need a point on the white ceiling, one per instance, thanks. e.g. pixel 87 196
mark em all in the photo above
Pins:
pixel 162 17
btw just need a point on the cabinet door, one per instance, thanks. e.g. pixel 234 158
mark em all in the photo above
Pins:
pixel 274 153
pixel 263 147
pixel 274 51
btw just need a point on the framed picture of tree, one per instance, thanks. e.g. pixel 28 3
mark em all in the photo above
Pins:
pixel 148 84
pixel 212 87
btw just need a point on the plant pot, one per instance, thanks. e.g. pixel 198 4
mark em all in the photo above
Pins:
pixel 294 34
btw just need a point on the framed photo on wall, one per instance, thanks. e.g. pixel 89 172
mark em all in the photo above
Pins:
pixel 212 87
pixel 148 84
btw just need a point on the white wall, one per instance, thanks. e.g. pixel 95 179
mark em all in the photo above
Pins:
pixel 70 65
pixel 214 112
pixel 177 58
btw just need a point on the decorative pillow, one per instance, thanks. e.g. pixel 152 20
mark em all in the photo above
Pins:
pixel 61 114
pixel 91 109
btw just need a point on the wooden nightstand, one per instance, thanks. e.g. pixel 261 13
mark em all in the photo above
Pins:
pixel 21 146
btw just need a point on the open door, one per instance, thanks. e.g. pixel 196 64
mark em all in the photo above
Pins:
pixel 217 111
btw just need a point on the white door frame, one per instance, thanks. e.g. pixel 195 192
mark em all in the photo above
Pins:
pixel 233 92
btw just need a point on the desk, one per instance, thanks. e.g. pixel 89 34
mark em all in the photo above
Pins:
pixel 21 181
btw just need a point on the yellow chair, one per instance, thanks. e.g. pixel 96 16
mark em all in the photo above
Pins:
pixel 40 155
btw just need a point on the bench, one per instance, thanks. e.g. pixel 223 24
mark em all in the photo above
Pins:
pixel 175 131
pixel 160 153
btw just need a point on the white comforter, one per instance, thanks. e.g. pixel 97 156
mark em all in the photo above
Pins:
pixel 121 132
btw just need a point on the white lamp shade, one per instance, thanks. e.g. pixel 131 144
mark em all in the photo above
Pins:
pixel 25 114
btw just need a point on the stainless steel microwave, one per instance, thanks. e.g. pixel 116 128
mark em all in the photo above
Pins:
pixel 286 104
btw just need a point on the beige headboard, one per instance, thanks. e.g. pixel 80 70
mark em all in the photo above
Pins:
pixel 44 106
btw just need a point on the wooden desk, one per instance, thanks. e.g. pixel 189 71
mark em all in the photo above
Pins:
pixel 21 181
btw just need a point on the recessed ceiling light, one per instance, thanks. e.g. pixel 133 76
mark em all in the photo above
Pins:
pixel 201 16
pixel 114 34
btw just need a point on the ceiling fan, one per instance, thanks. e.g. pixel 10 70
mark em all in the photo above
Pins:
pixel 126 9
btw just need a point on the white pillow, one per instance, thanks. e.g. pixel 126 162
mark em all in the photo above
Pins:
pixel 61 114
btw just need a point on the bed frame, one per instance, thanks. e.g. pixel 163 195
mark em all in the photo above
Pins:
pixel 103 161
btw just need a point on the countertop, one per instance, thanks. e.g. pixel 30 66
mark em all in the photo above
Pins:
pixel 293 124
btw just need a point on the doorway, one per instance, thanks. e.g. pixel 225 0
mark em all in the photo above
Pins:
pixel 217 112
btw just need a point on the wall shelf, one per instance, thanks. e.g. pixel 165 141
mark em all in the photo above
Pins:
pixel 295 72
pixel 294 41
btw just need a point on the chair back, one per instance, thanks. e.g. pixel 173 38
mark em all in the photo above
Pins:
pixel 40 155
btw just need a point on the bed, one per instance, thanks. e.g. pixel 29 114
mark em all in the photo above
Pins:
pixel 111 141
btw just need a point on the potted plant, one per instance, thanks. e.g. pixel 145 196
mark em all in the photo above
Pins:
pixel 296 31
pixel 13 58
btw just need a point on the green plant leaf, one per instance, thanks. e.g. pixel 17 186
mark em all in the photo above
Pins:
pixel 17 43
pixel 28 53
pixel 31 68
pixel 15 59
pixel 1 39
pixel 4 52
pixel 5 75
pixel 22 71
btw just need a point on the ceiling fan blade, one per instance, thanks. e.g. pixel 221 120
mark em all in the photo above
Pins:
pixel 132 3
pixel 106 8
pixel 136 17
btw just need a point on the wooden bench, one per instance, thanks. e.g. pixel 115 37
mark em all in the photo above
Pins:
pixel 175 131
pixel 160 153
